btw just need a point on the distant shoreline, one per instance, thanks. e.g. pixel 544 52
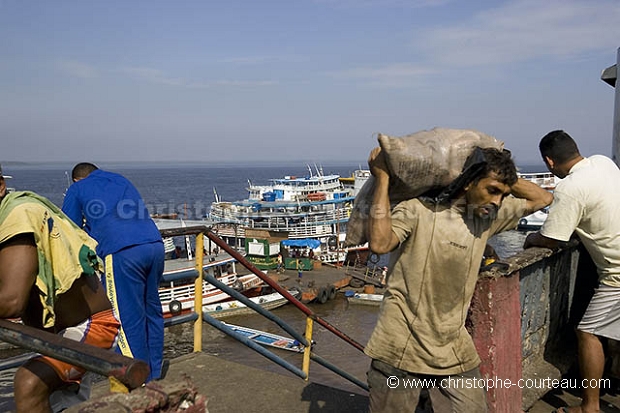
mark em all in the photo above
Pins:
pixel 179 164
pixel 8 165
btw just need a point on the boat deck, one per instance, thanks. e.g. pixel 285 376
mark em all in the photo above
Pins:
pixel 185 265
pixel 312 282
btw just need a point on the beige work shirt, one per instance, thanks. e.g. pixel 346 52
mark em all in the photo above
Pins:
pixel 433 273
pixel 587 202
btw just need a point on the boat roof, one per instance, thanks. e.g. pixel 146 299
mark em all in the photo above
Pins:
pixel 175 223
pixel 314 178
pixel 539 173
pixel 303 242
pixel 285 204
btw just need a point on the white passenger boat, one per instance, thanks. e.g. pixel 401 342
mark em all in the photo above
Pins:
pixel 234 307
pixel 315 206
pixel 176 293
pixel 545 180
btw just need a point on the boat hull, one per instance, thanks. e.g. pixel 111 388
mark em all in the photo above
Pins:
pixel 180 300
pixel 366 299
pixel 234 308
pixel 268 339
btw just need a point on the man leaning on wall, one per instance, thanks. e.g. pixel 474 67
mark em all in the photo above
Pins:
pixel 586 202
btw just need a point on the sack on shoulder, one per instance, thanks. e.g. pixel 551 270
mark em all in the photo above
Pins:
pixel 425 161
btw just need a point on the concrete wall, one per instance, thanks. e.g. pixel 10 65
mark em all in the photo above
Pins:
pixel 522 321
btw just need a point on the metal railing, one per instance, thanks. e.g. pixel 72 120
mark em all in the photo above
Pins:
pixel 375 275
pixel 131 372
pixel 311 317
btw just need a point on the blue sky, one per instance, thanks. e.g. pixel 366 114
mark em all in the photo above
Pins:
pixel 308 80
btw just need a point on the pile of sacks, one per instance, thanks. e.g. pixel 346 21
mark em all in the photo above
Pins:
pixel 420 163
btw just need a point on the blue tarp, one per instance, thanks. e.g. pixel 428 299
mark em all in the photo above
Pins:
pixel 306 242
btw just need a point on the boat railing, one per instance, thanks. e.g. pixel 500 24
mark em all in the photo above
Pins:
pixel 374 275
pixel 176 293
pixel 186 291
pixel 200 316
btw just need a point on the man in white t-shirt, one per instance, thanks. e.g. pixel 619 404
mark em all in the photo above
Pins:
pixel 587 202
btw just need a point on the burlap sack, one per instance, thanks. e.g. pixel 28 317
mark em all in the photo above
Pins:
pixel 418 163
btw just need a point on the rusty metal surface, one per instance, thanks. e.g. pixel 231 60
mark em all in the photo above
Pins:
pixel 131 372
pixel 522 260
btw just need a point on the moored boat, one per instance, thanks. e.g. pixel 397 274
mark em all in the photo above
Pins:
pixel 545 180
pixel 268 339
pixel 176 292
pixel 534 221
pixel 6 177
pixel 315 206
pixel 364 298
pixel 235 307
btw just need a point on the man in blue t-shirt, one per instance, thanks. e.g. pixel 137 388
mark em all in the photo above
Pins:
pixel 109 207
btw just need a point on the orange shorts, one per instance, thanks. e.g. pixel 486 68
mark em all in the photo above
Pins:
pixel 99 330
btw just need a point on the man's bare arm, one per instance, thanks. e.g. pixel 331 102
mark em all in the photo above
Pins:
pixel 535 196
pixel 18 269
pixel 536 239
pixel 380 235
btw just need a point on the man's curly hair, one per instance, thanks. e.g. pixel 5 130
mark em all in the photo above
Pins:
pixel 497 162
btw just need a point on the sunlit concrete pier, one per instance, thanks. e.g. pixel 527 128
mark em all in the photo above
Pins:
pixel 232 388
